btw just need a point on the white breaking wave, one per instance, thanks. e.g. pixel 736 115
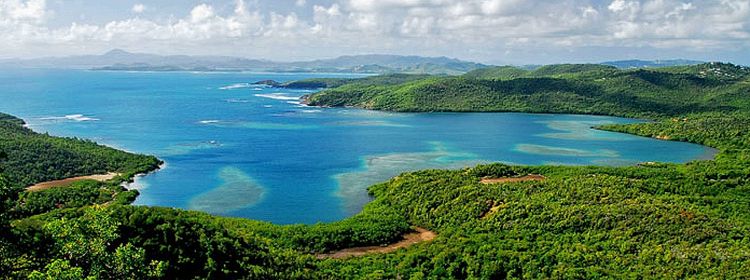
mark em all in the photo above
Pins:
pixel 311 111
pixel 236 86
pixel 74 117
pixel 278 96
pixel 208 121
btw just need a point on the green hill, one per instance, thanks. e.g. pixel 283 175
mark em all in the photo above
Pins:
pixel 715 70
pixel 31 157
pixel 497 72
pixel 318 83
pixel 586 89
pixel 654 220
pixel 555 70
pixel 561 69
pixel 648 221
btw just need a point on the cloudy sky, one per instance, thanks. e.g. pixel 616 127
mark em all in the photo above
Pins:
pixel 489 31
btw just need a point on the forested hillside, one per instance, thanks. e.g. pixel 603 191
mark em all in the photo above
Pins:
pixel 648 221
pixel 32 157
pixel 318 83
pixel 567 88
pixel 654 220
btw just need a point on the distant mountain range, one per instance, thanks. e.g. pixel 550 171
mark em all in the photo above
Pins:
pixel 630 64
pixel 120 60
pixel 635 63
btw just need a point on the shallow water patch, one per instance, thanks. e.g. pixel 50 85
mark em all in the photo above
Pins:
pixel 580 130
pixel 352 186
pixel 568 152
pixel 186 148
pixel 238 191
pixel 369 123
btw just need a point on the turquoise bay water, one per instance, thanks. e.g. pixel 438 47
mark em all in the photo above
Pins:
pixel 237 150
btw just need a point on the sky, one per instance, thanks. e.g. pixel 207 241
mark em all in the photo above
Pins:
pixel 486 31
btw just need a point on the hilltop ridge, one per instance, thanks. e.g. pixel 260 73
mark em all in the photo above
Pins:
pixel 562 88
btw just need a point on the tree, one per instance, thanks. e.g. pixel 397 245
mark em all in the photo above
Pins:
pixel 8 197
pixel 59 270
pixel 85 243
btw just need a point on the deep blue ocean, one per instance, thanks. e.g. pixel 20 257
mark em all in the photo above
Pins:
pixel 235 149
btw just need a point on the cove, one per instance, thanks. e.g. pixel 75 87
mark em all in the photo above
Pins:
pixel 235 149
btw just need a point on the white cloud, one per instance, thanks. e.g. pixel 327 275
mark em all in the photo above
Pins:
pixel 495 7
pixel 589 12
pixel 138 8
pixel 625 9
pixel 17 10
pixel 300 3
pixel 201 13
pixel 381 5
pixel 320 11
pixel 440 27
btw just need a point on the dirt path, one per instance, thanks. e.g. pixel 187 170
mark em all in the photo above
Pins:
pixel 530 177
pixel 421 235
pixel 68 181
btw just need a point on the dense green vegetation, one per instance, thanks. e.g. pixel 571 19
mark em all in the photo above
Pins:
pixel 26 158
pixel 32 157
pixel 649 221
pixel 567 88
pixel 318 83
pixel 654 220
pixel 77 194
pixel 497 72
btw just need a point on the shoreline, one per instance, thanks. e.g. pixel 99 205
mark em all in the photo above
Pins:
pixel 710 154
pixel 304 100
pixel 132 183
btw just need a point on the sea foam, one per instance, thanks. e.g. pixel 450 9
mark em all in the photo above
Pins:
pixel 236 86
pixel 277 96
pixel 74 117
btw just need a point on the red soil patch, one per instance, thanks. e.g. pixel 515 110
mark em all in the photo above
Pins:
pixel 68 181
pixel 421 235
